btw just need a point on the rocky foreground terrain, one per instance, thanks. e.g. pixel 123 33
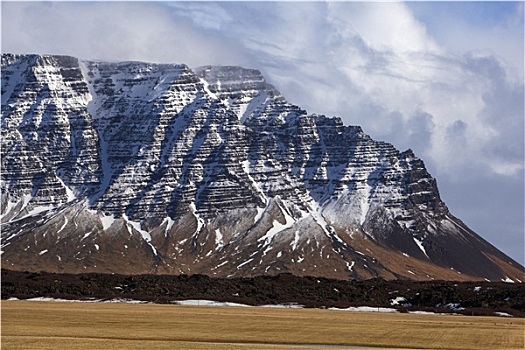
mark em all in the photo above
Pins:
pixel 470 298
pixel 142 168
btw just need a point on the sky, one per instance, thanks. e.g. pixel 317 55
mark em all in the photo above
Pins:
pixel 445 79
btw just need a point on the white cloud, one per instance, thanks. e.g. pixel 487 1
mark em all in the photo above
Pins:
pixel 488 28
pixel 383 26
pixel 111 31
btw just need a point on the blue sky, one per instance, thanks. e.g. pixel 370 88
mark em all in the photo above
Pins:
pixel 443 78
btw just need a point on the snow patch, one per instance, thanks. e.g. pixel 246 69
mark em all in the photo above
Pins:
pixel 420 245
pixel 244 263
pixel 169 225
pixel 257 101
pixel 367 309
pixel 63 225
pixel 145 234
pixel 39 210
pixel 277 227
pixel 401 301
pixel 295 241
pixel 222 264
pixel 503 314
pixel 59 300
pixel 107 221
pixel 198 302
pixel 262 195
pixel 365 203
pixel 454 306
pixel 258 216
pixel 200 221
pixel 284 306
pixel 86 235
pixel 218 239
pixel 137 226
pixel 430 313
pixel 69 193
pixel 43 252
pixel 205 86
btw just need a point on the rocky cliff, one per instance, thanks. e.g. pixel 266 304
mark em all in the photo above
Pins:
pixel 135 167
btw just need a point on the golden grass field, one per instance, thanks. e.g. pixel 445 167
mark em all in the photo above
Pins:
pixel 109 326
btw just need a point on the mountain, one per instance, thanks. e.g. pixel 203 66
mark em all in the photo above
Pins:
pixel 133 168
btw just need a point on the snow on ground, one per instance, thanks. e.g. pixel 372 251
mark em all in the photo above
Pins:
pixel 200 221
pixel 284 306
pixel 107 221
pixel 86 235
pixel 295 241
pixel 397 301
pixel 59 300
pixel 218 239
pixel 196 302
pixel 256 186
pixel 204 302
pixel 7 208
pixel 63 225
pixel 420 245
pixel 249 109
pixel 503 314
pixel 244 263
pixel 454 306
pixel 365 203
pixel 169 224
pixel 190 302
pixel 39 209
pixel 70 194
pixel 206 88
pixel 432 313
pixel 222 263
pixel 367 309
pixel 136 226
pixel 128 301
pixel 277 227
pixel 145 234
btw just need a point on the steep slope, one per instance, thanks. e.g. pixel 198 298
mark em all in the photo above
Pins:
pixel 152 168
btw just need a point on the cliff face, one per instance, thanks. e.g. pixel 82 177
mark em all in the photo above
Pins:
pixel 152 168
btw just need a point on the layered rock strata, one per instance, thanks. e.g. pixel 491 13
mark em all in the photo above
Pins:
pixel 137 167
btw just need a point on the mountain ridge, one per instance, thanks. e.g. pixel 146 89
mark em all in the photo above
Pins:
pixel 174 170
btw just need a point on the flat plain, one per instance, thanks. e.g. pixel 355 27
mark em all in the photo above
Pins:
pixel 33 325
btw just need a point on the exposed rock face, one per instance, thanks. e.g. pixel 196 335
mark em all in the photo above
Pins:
pixel 153 168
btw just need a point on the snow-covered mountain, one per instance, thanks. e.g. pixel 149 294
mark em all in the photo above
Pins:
pixel 135 167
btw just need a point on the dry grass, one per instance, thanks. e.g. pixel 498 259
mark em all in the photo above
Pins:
pixel 44 325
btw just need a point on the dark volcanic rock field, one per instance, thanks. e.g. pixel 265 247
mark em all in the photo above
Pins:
pixel 471 298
